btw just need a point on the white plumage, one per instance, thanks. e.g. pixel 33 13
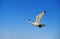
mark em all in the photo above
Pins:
pixel 38 20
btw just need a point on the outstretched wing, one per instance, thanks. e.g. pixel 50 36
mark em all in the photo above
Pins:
pixel 29 20
pixel 39 17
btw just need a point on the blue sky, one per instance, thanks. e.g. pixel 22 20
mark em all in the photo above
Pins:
pixel 14 15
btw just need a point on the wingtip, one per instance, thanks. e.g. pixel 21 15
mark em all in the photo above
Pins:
pixel 29 19
pixel 45 11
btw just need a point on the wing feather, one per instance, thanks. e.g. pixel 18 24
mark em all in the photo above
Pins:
pixel 39 17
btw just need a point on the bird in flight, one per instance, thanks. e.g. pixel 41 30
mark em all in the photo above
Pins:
pixel 38 20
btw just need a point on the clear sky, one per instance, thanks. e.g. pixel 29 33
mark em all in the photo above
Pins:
pixel 14 15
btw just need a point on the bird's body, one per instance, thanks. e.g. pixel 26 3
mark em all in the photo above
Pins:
pixel 38 20
pixel 35 23
pixel 38 24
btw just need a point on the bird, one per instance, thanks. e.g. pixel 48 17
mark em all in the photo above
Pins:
pixel 38 20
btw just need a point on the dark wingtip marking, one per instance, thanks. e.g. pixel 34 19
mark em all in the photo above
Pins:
pixel 45 11
pixel 40 26
pixel 29 19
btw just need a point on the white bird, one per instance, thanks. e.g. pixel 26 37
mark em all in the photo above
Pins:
pixel 38 20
